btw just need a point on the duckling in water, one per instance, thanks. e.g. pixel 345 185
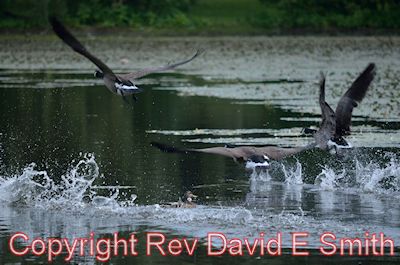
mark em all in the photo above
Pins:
pixel 186 201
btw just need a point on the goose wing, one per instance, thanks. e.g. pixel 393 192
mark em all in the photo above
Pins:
pixel 278 153
pixel 351 98
pixel 241 153
pixel 71 41
pixel 147 71
pixel 223 151
pixel 328 124
pixel 328 115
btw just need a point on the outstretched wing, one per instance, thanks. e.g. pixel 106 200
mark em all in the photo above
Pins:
pixel 147 71
pixel 71 41
pixel 351 98
pixel 278 153
pixel 223 151
pixel 328 115
pixel 328 124
pixel 240 154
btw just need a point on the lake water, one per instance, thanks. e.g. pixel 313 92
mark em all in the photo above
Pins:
pixel 76 159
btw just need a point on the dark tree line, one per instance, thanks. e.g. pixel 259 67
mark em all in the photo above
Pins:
pixel 337 13
pixel 33 13
pixel 275 14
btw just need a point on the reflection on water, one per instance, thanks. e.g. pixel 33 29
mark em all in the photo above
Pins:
pixel 75 159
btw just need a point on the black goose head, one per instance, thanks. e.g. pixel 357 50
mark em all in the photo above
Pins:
pixel 98 74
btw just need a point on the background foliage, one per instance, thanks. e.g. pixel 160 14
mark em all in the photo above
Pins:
pixel 336 13
pixel 33 13
pixel 207 15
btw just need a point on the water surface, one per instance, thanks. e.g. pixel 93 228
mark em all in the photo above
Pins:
pixel 76 159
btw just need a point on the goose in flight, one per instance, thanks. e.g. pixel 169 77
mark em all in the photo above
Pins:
pixel 336 124
pixel 121 84
pixel 252 156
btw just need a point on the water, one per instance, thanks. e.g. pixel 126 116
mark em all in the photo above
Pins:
pixel 75 159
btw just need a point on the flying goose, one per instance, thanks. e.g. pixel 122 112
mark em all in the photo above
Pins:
pixel 336 124
pixel 187 201
pixel 118 84
pixel 252 156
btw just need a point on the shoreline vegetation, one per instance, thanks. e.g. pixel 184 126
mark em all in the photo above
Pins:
pixel 207 17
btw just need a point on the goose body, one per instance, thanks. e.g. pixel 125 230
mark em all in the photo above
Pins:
pixel 336 124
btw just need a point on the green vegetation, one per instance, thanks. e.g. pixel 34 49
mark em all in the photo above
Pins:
pixel 105 13
pixel 346 14
pixel 209 16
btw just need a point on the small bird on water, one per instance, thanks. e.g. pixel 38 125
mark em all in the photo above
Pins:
pixel 187 201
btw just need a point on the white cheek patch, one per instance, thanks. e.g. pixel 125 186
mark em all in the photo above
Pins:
pixel 125 87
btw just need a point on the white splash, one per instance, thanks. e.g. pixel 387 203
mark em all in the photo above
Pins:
pixel 328 179
pixel 73 190
pixel 372 177
pixel 365 177
pixel 293 175
pixel 260 174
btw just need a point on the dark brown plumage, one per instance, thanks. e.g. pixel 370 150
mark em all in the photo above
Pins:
pixel 336 124
pixel 353 96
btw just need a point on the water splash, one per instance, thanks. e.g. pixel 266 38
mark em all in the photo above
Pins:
pixel 328 179
pixel 367 176
pixel 76 191
pixel 293 175
pixel 72 190
pixel 25 187
pixel 372 177
pixel 260 174
pixel 361 175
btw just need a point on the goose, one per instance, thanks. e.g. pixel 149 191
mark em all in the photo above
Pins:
pixel 121 84
pixel 187 201
pixel 252 156
pixel 336 124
